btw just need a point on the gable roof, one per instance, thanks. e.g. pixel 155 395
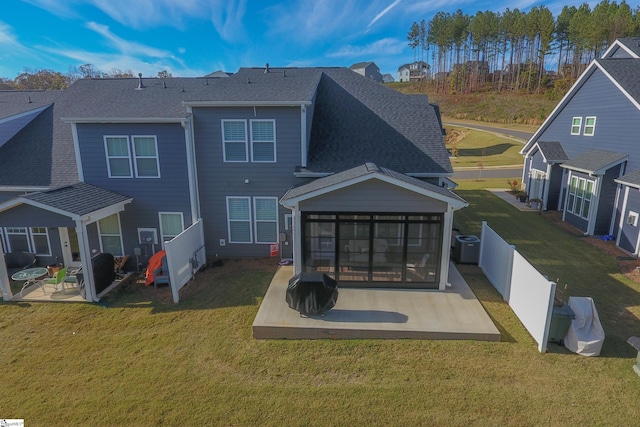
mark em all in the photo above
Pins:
pixel 357 120
pixel 631 179
pixel 75 201
pixel 624 73
pixel 360 65
pixel 37 138
pixel 595 162
pixel 625 47
pixel 552 151
pixel 366 172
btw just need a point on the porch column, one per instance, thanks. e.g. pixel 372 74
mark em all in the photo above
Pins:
pixel 446 248
pixel 85 256
pixel 297 240
pixel 5 282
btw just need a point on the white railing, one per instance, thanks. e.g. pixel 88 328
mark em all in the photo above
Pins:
pixel 529 293
pixel 185 255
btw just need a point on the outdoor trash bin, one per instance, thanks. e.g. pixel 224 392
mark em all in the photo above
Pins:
pixel 561 318
pixel 312 293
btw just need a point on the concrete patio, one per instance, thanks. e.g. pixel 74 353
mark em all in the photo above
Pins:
pixel 454 314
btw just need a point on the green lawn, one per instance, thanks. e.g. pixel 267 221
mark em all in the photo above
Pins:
pixel 134 360
pixel 480 148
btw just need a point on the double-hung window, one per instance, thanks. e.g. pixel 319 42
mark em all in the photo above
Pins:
pixel 256 145
pixel 171 224
pixel 40 241
pixel 110 236
pixel 234 140
pixel 145 150
pixel 589 126
pixel 17 239
pixel 576 125
pixel 118 156
pixel 263 140
pixel 252 220
pixel 119 151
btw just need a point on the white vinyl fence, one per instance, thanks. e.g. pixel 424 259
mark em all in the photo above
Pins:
pixel 529 294
pixel 185 256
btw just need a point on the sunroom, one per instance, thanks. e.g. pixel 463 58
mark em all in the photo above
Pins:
pixel 373 227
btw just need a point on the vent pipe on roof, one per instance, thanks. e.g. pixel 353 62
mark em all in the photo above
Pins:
pixel 164 85
pixel 248 81
pixel 183 89
pixel 206 81
pixel 29 101
pixel 266 68
pixel 284 73
pixel 140 85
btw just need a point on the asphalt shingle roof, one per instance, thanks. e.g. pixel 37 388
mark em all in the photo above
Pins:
pixel 632 178
pixel 631 43
pixel 79 199
pixel 552 151
pixel 359 171
pixel 594 161
pixel 626 72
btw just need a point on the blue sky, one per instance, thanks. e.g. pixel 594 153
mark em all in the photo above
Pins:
pixel 196 37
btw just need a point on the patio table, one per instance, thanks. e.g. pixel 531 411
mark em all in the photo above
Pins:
pixel 30 276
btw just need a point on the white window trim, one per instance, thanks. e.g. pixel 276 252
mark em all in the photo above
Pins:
pixel 273 142
pixel 632 218
pixel 162 234
pixel 579 125
pixel 592 127
pixel 25 234
pixel 100 234
pixel 33 243
pixel 581 195
pixel 107 156
pixel 224 142
pixel 256 221
pixel 136 156
pixel 250 220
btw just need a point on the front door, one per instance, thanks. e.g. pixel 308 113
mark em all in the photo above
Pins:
pixel 70 247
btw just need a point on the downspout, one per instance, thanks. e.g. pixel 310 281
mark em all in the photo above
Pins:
pixel 303 135
pixel 297 239
pixel 192 172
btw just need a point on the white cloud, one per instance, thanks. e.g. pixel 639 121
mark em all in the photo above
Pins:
pixel 7 37
pixel 383 13
pixel 124 46
pixel 382 47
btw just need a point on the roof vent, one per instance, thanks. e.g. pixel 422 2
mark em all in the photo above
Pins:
pixel 266 68
pixel 183 89
pixel 29 100
pixel 206 81
pixel 284 73
pixel 248 80
pixel 164 85
pixel 140 85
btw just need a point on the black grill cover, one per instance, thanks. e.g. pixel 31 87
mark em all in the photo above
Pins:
pixel 312 293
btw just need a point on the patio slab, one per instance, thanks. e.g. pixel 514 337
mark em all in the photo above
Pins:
pixel 454 314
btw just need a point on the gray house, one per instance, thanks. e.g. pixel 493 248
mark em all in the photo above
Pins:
pixel 368 69
pixel 413 72
pixel 143 159
pixel 583 158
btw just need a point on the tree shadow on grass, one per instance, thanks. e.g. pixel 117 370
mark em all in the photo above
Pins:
pixel 493 150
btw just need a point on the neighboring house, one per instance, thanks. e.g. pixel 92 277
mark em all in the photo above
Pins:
pixel 218 74
pixel 387 78
pixel 584 158
pixel 413 72
pixel 367 69
pixel 155 155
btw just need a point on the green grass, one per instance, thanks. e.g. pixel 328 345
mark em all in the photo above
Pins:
pixel 134 360
pixel 480 148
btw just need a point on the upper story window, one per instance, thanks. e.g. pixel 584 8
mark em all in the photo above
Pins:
pixel 145 150
pixel 234 140
pixel 576 125
pixel 118 151
pixel 118 156
pixel 260 140
pixel 589 126
pixel 263 140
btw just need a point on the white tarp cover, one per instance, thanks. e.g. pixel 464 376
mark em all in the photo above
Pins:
pixel 585 336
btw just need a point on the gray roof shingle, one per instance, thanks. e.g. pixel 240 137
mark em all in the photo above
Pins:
pixel 631 43
pixel 632 178
pixel 594 161
pixel 626 72
pixel 78 199
pixel 363 170
pixel 552 151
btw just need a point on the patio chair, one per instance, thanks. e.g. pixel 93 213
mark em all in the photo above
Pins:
pixel 161 275
pixel 58 279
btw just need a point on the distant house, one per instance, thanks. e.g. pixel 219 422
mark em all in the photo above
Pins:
pixel 367 69
pixel 388 78
pixel 340 173
pixel 413 72
pixel 219 73
pixel 584 160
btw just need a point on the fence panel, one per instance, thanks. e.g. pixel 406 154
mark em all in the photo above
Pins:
pixel 185 256
pixel 496 259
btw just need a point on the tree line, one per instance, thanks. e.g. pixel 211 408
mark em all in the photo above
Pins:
pixel 511 51
pixel 55 80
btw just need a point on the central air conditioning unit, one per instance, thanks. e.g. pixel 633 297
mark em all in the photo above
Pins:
pixel 148 236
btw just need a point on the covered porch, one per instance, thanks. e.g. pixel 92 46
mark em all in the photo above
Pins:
pixel 71 210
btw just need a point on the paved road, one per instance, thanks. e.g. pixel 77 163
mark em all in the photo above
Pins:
pixel 474 173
